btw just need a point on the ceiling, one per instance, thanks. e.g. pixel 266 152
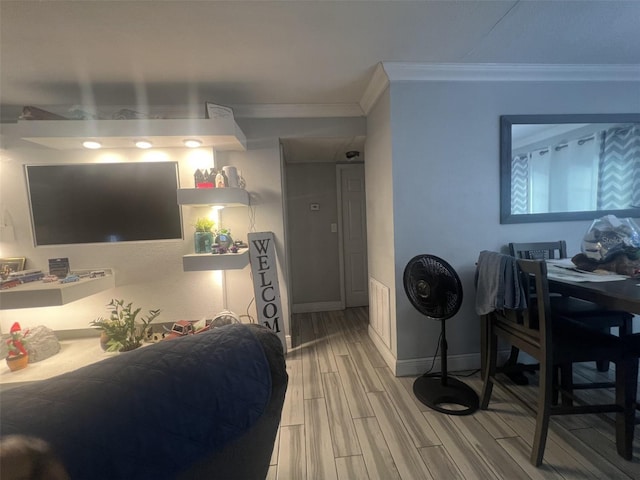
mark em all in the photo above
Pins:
pixel 239 53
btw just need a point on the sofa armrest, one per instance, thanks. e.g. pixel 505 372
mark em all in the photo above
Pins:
pixel 248 457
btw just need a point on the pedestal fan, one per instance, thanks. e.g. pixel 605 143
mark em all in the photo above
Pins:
pixel 435 290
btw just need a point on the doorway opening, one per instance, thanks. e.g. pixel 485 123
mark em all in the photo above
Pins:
pixel 325 223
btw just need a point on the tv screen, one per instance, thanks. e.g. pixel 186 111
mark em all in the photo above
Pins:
pixel 104 202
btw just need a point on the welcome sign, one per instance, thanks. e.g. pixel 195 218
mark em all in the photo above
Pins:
pixel 262 254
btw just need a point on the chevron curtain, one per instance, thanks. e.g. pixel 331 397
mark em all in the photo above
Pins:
pixel 519 184
pixel 619 168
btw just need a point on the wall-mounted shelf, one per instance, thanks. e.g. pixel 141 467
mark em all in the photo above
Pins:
pixel 226 197
pixel 198 262
pixel 39 294
pixel 220 134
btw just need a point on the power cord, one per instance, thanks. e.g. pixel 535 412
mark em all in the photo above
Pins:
pixel 251 319
pixel 433 362
pixel 248 315
pixel 252 215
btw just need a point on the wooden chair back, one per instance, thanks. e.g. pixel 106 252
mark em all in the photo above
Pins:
pixel 529 329
pixel 539 250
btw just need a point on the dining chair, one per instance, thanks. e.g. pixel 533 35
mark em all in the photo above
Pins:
pixel 536 331
pixel 632 348
pixel 588 314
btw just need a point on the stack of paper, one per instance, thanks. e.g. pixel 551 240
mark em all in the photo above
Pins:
pixel 564 269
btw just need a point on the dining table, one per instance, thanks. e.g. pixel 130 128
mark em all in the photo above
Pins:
pixel 618 293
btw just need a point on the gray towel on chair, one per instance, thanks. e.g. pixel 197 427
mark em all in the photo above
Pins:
pixel 497 283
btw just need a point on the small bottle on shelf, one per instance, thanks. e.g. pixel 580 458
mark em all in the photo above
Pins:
pixel 219 180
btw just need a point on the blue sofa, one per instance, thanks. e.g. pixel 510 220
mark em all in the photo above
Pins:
pixel 200 406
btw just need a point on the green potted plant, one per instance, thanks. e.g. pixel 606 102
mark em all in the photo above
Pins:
pixel 123 330
pixel 203 236
pixel 18 357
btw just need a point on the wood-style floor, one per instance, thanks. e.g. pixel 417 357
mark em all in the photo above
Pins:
pixel 347 417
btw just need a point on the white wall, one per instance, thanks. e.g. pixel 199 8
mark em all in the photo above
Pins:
pixel 260 166
pixel 381 231
pixel 150 273
pixel 313 248
pixel 445 138
pixel 147 273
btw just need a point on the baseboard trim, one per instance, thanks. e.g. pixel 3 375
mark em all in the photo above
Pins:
pixel 455 363
pixel 385 352
pixel 418 366
pixel 316 307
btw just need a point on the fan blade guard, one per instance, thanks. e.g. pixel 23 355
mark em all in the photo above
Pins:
pixel 432 286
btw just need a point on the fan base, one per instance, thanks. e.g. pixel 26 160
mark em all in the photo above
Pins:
pixel 434 393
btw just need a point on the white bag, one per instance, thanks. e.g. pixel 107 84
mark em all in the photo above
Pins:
pixel 608 236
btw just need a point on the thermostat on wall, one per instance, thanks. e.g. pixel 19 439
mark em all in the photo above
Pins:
pixel 314 206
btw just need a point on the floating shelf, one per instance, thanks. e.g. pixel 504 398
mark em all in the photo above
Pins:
pixel 226 197
pixel 221 134
pixel 198 262
pixel 39 294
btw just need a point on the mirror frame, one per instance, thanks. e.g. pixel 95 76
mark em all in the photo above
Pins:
pixel 506 121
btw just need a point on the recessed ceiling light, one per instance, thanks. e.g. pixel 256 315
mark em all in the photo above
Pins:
pixel 143 144
pixel 91 144
pixel 192 143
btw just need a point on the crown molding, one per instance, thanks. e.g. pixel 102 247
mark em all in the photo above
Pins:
pixel 378 83
pixel 387 72
pixel 402 71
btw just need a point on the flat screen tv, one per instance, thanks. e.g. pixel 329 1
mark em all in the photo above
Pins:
pixel 104 202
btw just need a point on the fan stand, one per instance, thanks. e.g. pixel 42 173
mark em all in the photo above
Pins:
pixel 437 389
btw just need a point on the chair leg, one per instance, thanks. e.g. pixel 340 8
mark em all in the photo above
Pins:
pixel 566 383
pixel 626 388
pixel 625 329
pixel 513 356
pixel 491 360
pixel 603 365
pixel 484 340
pixel 516 376
pixel 545 389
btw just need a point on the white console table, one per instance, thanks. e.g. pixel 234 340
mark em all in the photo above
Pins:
pixel 73 354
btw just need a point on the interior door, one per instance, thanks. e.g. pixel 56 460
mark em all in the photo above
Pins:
pixel 354 235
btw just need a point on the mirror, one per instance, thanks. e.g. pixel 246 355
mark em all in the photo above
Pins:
pixel 569 167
